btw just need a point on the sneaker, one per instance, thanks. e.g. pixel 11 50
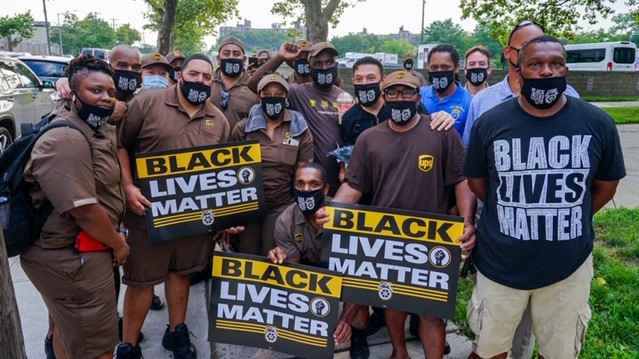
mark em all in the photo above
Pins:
pixel 120 324
pixel 128 351
pixel 157 303
pixel 359 345
pixel 179 342
pixel 48 347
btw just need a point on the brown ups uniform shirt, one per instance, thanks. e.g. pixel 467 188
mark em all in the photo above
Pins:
pixel 408 170
pixel 240 98
pixel 155 121
pixel 69 173
pixel 297 236
pixel 320 111
pixel 292 142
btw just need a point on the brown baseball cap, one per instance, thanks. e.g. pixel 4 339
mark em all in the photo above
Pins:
pixel 407 56
pixel 272 78
pixel 155 58
pixel 401 78
pixel 231 40
pixel 305 45
pixel 175 55
pixel 322 46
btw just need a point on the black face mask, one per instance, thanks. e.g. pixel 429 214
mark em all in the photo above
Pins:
pixel 408 65
pixel 543 93
pixel 477 76
pixel 367 94
pixel 324 78
pixel 173 74
pixel 195 92
pixel 95 116
pixel 401 111
pixel 441 80
pixel 273 107
pixel 232 67
pixel 302 67
pixel 126 82
pixel 309 201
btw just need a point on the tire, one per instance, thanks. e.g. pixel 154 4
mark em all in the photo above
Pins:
pixel 5 138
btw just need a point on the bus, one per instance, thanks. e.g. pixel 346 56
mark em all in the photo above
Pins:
pixel 602 56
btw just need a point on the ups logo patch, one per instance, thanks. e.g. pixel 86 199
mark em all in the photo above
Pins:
pixel 425 162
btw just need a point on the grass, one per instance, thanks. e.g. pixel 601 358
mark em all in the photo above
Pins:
pixel 623 115
pixel 609 98
pixel 614 297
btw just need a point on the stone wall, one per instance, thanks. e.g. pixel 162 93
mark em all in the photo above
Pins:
pixel 589 83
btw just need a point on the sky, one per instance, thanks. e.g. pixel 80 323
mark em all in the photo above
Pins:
pixel 376 15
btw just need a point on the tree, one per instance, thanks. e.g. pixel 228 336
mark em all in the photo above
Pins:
pixel 368 43
pixel 316 14
pixel 88 32
pixel 20 26
pixel 481 36
pixel 399 47
pixel 194 19
pixel 440 32
pixel 125 34
pixel 558 17
pixel 146 48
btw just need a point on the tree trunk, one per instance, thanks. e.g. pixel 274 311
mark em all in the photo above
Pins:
pixel 316 25
pixel 9 43
pixel 11 340
pixel 165 35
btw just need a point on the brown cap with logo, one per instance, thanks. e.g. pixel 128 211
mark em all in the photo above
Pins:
pixel 155 58
pixel 272 78
pixel 305 45
pixel 231 40
pixel 408 56
pixel 401 78
pixel 175 55
pixel 322 46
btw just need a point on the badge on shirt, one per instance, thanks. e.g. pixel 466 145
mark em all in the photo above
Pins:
pixel 324 104
pixel 299 237
pixel 289 140
pixel 208 123
pixel 425 162
pixel 313 102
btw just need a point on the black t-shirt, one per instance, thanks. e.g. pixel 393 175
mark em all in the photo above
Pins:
pixel 536 226
pixel 356 120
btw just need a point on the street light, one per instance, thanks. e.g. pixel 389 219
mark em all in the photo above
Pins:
pixel 421 31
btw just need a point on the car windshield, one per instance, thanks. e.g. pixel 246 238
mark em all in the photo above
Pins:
pixel 46 69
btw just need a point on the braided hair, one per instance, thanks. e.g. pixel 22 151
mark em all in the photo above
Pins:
pixel 82 65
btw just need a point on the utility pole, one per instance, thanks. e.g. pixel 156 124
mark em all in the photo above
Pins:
pixel 60 34
pixel 46 25
pixel 113 20
pixel 11 340
pixel 421 31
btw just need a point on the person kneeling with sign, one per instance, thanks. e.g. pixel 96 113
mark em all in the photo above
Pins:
pixel 298 235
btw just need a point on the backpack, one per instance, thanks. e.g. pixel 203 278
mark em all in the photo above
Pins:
pixel 21 221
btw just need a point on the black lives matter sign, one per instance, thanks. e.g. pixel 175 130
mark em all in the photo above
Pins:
pixel 288 307
pixel 199 190
pixel 394 259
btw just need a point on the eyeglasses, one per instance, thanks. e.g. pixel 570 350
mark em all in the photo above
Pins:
pixel 523 23
pixel 224 101
pixel 405 93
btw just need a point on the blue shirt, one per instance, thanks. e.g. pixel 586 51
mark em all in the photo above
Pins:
pixel 490 97
pixel 456 104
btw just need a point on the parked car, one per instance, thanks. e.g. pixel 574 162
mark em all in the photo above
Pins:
pixel 99 53
pixel 24 98
pixel 49 68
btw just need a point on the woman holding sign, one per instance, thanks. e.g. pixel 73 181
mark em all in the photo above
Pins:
pixel 285 141
pixel 75 168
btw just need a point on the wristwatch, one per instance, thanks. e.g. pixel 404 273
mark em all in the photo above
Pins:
pixel 125 231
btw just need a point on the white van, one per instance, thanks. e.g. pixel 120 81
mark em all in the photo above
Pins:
pixel 602 56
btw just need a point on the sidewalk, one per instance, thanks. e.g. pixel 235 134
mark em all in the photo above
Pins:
pixel 33 315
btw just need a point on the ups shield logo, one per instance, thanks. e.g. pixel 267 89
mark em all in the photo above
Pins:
pixel 425 162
